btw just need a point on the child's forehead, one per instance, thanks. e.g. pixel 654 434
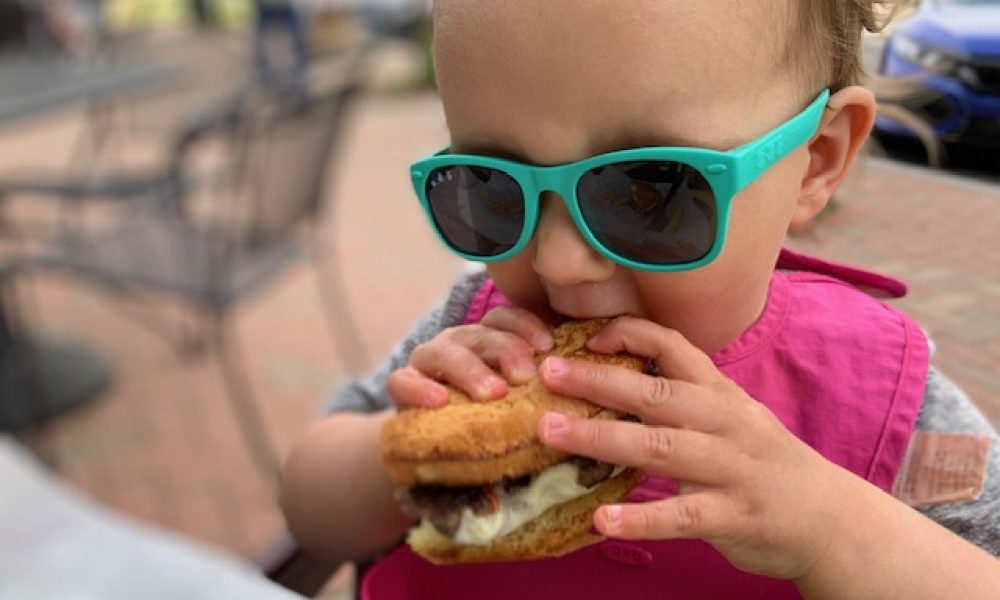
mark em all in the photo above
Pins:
pixel 688 33
pixel 636 72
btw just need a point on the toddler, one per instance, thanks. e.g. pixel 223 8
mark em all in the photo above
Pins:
pixel 647 158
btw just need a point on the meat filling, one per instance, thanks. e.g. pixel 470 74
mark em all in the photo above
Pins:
pixel 442 506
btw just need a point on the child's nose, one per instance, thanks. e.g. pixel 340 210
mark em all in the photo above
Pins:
pixel 561 255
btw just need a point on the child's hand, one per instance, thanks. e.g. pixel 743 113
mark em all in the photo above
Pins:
pixel 470 357
pixel 749 487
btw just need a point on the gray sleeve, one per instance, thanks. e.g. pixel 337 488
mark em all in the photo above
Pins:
pixel 368 394
pixel 947 409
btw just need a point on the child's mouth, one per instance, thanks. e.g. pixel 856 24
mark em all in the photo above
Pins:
pixel 558 318
pixel 561 318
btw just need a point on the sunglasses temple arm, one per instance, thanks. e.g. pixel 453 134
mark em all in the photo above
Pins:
pixel 753 159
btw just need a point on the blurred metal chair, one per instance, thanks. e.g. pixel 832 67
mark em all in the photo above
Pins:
pixel 221 252
pixel 160 187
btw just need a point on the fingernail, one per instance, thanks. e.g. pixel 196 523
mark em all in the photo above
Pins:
pixel 612 517
pixel 543 342
pixel 555 424
pixel 492 387
pixel 437 395
pixel 555 366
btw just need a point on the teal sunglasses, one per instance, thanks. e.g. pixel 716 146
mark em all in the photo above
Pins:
pixel 653 209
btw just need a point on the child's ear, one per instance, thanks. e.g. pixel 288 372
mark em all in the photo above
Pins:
pixel 844 128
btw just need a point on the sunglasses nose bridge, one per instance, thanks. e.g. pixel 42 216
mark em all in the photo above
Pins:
pixel 552 180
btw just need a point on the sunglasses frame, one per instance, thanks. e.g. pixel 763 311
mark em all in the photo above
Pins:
pixel 727 173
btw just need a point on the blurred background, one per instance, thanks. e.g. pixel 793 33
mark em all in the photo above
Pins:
pixel 206 226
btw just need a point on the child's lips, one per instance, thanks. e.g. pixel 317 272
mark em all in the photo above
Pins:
pixel 585 309
pixel 572 315
pixel 586 302
pixel 561 318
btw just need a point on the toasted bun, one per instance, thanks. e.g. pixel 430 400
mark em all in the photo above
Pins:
pixel 471 443
pixel 558 531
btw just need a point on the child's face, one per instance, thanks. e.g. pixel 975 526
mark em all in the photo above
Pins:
pixel 561 80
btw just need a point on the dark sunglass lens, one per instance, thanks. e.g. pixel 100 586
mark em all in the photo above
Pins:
pixel 653 212
pixel 479 211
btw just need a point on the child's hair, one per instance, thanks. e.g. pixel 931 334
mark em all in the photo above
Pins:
pixel 824 46
pixel 825 49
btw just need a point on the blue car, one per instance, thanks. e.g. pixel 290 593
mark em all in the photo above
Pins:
pixel 953 48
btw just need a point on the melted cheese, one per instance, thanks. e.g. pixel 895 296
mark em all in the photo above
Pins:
pixel 553 486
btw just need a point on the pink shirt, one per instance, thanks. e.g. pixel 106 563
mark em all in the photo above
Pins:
pixel 842 370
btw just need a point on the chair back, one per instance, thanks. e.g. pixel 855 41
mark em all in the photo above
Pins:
pixel 286 162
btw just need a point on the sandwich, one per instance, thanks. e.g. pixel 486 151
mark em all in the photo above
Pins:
pixel 484 486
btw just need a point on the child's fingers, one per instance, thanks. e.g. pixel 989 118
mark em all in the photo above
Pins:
pixel 522 323
pixel 655 400
pixel 468 358
pixel 675 453
pixel 705 515
pixel 448 361
pixel 505 352
pixel 409 388
pixel 676 357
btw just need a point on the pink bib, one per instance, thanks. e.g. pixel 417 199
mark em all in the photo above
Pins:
pixel 843 371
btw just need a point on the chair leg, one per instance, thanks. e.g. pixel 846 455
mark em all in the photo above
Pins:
pixel 243 400
pixel 188 340
pixel 97 131
pixel 340 323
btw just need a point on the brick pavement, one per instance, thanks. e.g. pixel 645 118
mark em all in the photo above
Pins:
pixel 937 232
pixel 161 444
